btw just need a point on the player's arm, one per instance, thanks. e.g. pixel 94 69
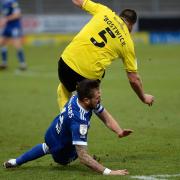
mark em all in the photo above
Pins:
pixel 136 84
pixel 13 16
pixel 87 160
pixel 89 6
pixel 112 124
pixel 78 3
pixel 4 20
pixel 133 76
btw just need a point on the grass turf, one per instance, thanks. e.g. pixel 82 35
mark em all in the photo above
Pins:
pixel 28 105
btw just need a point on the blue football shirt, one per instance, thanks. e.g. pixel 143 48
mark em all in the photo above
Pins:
pixel 70 127
pixel 10 7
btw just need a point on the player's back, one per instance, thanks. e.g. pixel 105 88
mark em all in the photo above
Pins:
pixel 104 38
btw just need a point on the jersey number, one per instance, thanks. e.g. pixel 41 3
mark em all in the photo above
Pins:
pixel 102 34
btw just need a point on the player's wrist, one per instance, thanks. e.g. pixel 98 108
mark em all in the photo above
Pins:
pixel 120 133
pixel 106 171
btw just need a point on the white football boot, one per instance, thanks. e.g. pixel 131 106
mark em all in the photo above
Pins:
pixel 10 163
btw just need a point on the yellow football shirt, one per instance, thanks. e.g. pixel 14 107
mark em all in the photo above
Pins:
pixel 104 38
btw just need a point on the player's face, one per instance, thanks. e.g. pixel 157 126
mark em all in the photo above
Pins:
pixel 96 99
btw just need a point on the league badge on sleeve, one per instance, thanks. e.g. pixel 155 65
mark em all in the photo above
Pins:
pixel 83 129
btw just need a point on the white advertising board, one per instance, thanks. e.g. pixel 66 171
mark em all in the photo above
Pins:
pixel 54 23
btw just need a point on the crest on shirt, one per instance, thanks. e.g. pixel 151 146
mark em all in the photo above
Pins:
pixel 83 129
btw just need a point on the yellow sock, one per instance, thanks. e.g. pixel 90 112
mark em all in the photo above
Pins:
pixel 63 95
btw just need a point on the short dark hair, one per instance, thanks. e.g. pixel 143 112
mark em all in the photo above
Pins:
pixel 85 88
pixel 129 15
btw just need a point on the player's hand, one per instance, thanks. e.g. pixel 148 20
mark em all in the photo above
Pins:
pixel 148 99
pixel 125 132
pixel 119 172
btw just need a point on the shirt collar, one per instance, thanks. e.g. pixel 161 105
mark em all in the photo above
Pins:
pixel 81 106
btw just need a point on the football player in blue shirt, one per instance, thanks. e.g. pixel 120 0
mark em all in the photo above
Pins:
pixel 12 30
pixel 66 137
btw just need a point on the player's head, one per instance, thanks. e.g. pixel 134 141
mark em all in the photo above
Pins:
pixel 129 16
pixel 88 92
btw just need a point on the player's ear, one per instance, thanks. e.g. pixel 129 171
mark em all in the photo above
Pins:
pixel 86 101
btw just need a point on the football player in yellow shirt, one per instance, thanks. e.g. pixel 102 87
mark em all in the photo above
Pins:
pixel 103 39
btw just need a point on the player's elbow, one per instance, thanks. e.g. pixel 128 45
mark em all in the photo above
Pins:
pixel 82 160
pixel 133 77
pixel 78 2
pixel 83 156
pixel 133 81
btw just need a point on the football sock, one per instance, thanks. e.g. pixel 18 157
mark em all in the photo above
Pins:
pixel 4 54
pixel 35 153
pixel 20 54
pixel 63 95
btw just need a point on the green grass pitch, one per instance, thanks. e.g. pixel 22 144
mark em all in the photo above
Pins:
pixel 28 105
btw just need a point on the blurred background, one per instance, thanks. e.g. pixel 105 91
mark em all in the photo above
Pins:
pixel 159 20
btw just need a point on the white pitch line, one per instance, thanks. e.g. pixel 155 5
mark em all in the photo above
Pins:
pixel 156 177
pixel 144 177
pixel 29 73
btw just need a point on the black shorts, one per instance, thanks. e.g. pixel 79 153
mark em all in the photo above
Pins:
pixel 67 76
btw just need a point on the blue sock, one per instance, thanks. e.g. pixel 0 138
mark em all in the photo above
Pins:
pixel 20 54
pixel 35 153
pixel 4 55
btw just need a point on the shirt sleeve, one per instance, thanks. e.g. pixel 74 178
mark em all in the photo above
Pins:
pixel 99 109
pixel 79 130
pixel 129 58
pixel 92 7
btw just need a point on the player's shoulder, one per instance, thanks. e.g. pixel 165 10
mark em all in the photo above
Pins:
pixel 72 101
pixel 76 111
pixel 72 107
pixel 104 9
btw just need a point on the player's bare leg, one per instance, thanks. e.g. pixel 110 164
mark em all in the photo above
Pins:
pixel 17 43
pixel 3 43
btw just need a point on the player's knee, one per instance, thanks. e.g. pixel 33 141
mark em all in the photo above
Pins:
pixel 62 162
pixel 65 160
pixel 45 148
